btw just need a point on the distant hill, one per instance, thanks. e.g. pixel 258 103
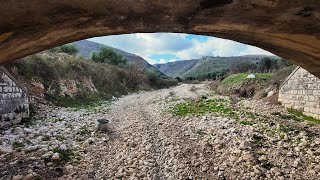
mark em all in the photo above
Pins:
pixel 203 66
pixel 86 48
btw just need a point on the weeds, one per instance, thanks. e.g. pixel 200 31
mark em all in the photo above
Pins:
pixel 84 130
pixel 9 156
pixel 247 123
pixel 201 132
pixel 303 116
pixel 65 155
pixel 257 139
pixel 286 116
pixel 17 145
pixel 60 138
pixel 204 106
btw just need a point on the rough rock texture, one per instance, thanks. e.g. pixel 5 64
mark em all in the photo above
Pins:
pixel 287 28
pixel 301 91
pixel 14 103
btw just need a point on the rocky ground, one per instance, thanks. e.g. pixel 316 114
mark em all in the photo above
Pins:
pixel 146 140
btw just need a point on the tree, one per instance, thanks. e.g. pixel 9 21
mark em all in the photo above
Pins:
pixel 242 66
pixel 178 79
pixel 106 55
pixel 69 49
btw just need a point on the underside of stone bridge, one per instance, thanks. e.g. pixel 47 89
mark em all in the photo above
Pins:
pixel 288 28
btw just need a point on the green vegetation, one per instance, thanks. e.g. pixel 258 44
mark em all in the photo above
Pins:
pixel 203 106
pixel 257 139
pixel 106 55
pixel 71 81
pixel 297 116
pixel 241 77
pixel 246 123
pixel 300 114
pixel 60 138
pixel 18 145
pixel 287 129
pixel 65 155
pixel 69 49
pixel 286 116
pixel 84 130
pixel 201 132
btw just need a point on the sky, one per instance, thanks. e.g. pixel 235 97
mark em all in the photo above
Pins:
pixel 169 47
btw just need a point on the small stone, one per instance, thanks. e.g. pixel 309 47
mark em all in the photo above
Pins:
pixel 63 147
pixel 262 158
pixel 31 148
pixel 55 156
pixel 28 177
pixel 244 145
pixel 67 169
pixel 17 177
pixel 270 93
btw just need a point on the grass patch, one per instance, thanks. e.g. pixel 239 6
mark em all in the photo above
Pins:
pixel 286 116
pixel 84 130
pixel 203 106
pixel 60 138
pixel 287 129
pixel 246 123
pixel 237 78
pixel 9 156
pixel 65 155
pixel 303 116
pixel 17 145
pixel 257 139
pixel 201 132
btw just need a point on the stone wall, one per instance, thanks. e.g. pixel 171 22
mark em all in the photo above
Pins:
pixel 14 103
pixel 301 91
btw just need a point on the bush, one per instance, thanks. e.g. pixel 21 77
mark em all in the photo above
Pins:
pixel 106 55
pixel 69 49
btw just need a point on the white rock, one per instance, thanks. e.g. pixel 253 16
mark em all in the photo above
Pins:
pixel 270 93
pixel 251 76
pixel 262 158
pixel 31 148
pixel 4 149
pixel 17 177
pixel 63 147
pixel 28 130
pixel 244 145
pixel 55 156
pixel 28 177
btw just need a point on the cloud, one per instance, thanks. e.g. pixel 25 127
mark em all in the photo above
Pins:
pixel 183 46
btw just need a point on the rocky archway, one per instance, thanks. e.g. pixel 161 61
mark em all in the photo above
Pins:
pixel 290 29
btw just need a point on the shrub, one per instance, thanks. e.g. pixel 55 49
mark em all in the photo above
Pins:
pixel 69 49
pixel 106 55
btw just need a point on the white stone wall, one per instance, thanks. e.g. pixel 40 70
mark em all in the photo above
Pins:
pixel 14 104
pixel 301 91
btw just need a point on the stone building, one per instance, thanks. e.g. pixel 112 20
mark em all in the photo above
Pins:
pixel 301 91
pixel 14 103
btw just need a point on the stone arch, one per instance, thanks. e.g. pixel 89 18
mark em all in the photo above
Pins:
pixel 290 29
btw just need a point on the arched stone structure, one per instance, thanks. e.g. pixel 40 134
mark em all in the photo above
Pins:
pixel 288 28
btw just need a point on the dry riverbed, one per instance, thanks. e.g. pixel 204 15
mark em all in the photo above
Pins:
pixel 184 132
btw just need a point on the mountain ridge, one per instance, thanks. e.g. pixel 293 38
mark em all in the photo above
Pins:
pixel 86 48
pixel 204 65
